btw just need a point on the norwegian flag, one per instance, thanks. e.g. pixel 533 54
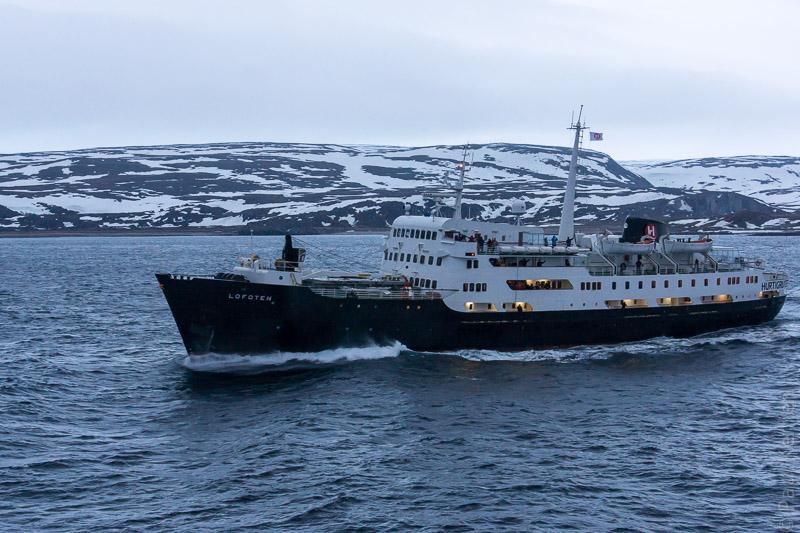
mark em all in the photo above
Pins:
pixel 595 136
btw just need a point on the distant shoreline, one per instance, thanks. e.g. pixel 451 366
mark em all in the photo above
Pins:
pixel 244 232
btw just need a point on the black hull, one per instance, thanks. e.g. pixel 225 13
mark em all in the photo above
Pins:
pixel 224 316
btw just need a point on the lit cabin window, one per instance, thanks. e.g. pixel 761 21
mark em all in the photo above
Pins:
pixel 717 299
pixel 674 301
pixel 517 307
pixel 624 304
pixel 540 284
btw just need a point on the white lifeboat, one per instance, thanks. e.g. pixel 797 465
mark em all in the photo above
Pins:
pixel 614 246
pixel 700 246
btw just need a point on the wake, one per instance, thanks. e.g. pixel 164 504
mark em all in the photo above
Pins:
pixel 283 361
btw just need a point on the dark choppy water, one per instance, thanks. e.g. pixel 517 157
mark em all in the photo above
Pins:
pixel 102 426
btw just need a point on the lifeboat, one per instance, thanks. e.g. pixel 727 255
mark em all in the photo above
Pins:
pixel 643 247
pixel 700 246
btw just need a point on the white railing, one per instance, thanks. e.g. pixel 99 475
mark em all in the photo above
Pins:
pixel 379 294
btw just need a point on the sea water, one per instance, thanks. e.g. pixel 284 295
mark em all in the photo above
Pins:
pixel 105 424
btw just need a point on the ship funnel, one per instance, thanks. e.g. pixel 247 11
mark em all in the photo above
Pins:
pixel 566 229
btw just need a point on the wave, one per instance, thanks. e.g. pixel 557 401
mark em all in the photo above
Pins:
pixel 281 361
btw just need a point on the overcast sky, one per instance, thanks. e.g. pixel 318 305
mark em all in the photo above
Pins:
pixel 661 79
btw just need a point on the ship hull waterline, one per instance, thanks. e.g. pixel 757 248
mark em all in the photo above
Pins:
pixel 225 316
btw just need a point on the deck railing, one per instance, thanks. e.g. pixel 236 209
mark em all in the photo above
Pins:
pixel 380 294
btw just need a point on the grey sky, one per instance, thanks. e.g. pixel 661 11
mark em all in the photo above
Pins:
pixel 661 79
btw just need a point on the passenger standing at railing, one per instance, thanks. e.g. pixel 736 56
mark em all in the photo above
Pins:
pixel 639 266
pixel 623 267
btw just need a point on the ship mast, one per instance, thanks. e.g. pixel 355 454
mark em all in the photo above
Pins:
pixel 459 186
pixel 566 228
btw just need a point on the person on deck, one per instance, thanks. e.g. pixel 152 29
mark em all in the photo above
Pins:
pixel 554 241
pixel 569 242
pixel 638 266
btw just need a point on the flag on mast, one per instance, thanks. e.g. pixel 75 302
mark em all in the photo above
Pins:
pixel 595 136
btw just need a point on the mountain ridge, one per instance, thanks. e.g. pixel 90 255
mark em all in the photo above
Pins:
pixel 311 187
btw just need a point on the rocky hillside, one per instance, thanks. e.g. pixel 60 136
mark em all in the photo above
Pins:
pixel 312 187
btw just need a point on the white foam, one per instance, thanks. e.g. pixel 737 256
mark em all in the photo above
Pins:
pixel 240 363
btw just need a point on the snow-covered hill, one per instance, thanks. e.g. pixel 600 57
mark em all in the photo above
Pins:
pixel 772 179
pixel 311 187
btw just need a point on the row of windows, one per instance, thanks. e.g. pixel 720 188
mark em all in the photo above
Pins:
pixel 735 280
pixel 411 258
pixel 414 233
pixel 538 284
pixel 591 285
pixel 472 263
pixel 423 283
pixel 474 287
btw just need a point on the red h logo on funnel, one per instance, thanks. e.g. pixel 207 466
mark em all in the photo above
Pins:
pixel 650 230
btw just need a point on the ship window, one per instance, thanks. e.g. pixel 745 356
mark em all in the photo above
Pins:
pixel 430 259
pixel 433 235
pixel 415 258
pixel 719 281
pixel 438 261
pixel 402 257
pixel 465 287
pixel 627 285
pixel 471 287
pixel 422 260
pixel 613 284
pixel 519 307
pixel 641 284
pixel 469 263
pixel 433 284
pixel 694 282
pixel 475 263
pixel 653 284
pixel 705 282
pixel 583 285
pixel 427 284
pixel 666 284
pixel 540 284
pixel 756 281
pixel 385 254
pixel 680 283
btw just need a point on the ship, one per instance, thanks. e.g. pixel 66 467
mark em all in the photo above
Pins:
pixel 447 283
